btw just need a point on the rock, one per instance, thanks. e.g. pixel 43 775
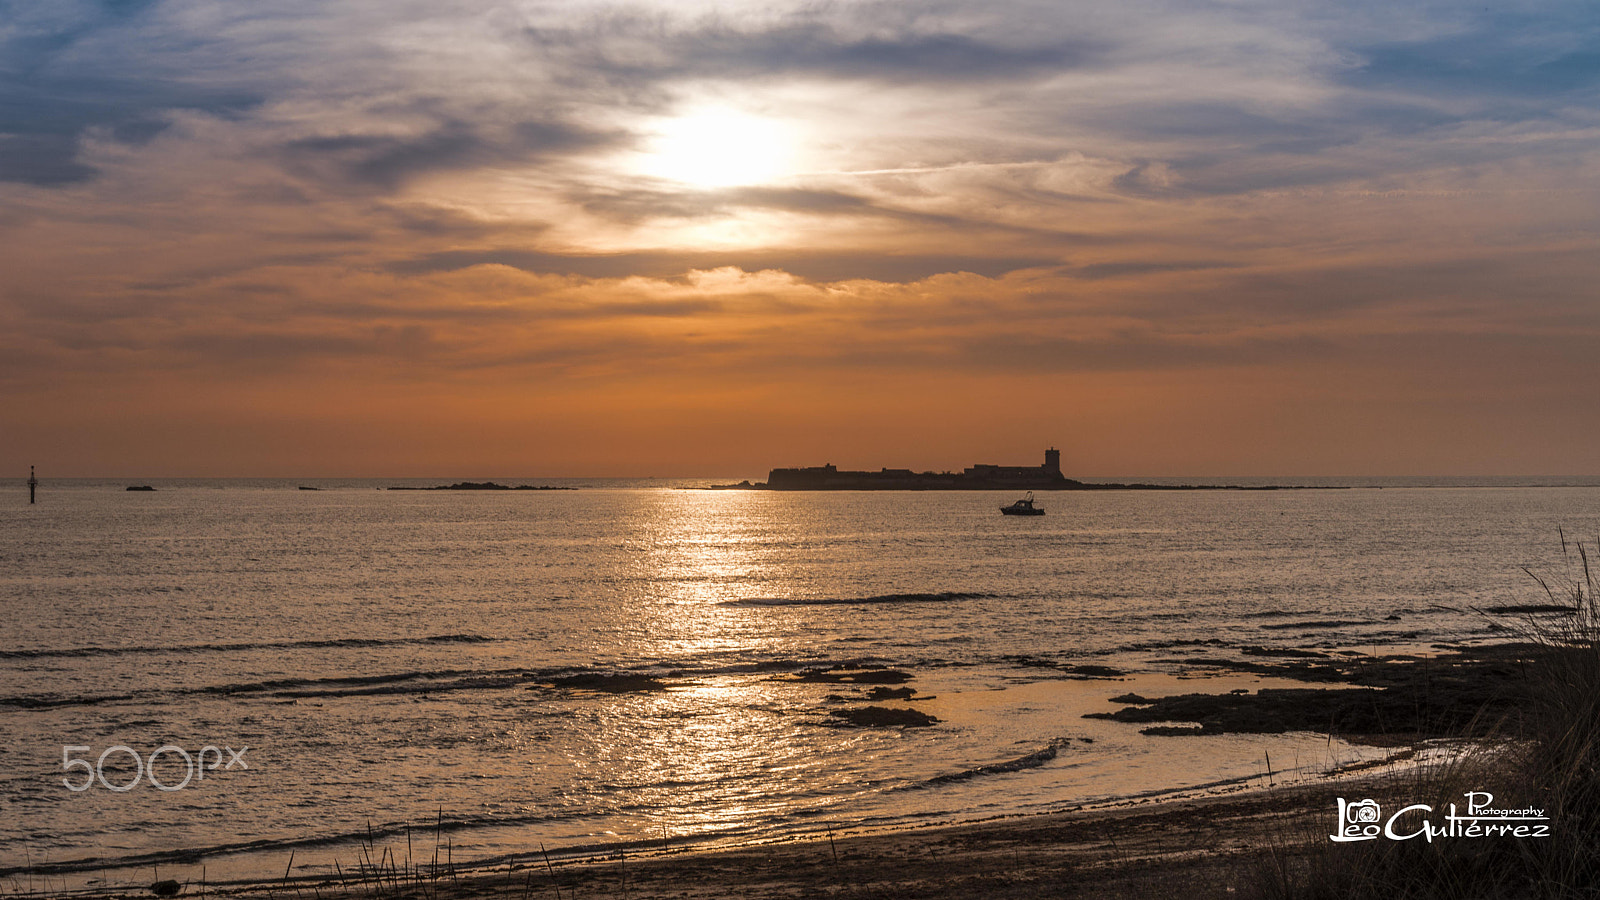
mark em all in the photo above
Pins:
pixel 484 486
pixel 1093 671
pixel 168 888
pixel 881 717
pixel 619 683
pixel 886 693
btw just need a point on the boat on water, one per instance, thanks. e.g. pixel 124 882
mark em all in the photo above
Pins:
pixel 1023 507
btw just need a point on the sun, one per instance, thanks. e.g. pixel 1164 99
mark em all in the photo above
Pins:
pixel 717 147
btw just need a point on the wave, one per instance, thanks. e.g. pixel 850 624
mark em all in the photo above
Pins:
pixel 57 701
pixel 1319 623
pixel 240 647
pixel 1032 761
pixel 606 680
pixel 940 597
pixel 302 688
pixel 433 830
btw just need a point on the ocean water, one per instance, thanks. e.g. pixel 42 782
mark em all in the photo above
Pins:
pixel 431 672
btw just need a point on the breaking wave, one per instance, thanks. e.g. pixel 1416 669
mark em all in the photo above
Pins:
pixel 1032 761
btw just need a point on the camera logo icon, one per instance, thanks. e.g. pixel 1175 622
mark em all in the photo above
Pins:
pixel 1358 821
pixel 1364 812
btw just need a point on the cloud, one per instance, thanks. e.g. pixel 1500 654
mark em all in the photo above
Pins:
pixel 823 266
pixel 1552 51
pixel 43 160
pixel 988 202
pixel 1096 271
pixel 54 90
pixel 387 161
pixel 654 47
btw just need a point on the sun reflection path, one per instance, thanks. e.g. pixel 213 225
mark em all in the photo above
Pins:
pixel 702 549
pixel 726 749
pixel 722 756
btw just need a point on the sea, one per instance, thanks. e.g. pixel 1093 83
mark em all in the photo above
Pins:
pixel 245 681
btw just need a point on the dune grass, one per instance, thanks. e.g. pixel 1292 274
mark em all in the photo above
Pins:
pixel 1546 755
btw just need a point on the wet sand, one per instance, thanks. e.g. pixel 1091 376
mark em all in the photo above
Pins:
pixel 1206 847
pixel 1226 844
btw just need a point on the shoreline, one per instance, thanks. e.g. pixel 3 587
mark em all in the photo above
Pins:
pixel 1114 851
pixel 334 873
pixel 690 689
pixel 1175 806
pixel 1208 845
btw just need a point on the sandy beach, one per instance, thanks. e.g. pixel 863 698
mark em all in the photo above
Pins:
pixel 1109 853
pixel 1215 846
pixel 1241 840
pixel 1223 840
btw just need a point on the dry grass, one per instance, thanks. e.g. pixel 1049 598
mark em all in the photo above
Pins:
pixel 1548 757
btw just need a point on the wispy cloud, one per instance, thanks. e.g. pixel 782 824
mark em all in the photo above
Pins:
pixel 1030 196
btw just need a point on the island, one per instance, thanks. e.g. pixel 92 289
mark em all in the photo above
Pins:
pixel 982 477
pixel 483 486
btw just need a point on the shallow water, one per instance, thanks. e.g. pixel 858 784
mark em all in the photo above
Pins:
pixel 388 657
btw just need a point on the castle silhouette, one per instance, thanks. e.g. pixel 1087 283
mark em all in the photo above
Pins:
pixel 976 478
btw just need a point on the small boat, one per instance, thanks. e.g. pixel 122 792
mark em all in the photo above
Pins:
pixel 1023 507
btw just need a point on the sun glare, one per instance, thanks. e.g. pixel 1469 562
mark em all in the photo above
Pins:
pixel 712 148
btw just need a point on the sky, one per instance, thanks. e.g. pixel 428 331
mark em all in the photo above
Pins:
pixel 468 237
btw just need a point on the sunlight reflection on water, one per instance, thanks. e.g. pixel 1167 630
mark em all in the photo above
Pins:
pixel 394 657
